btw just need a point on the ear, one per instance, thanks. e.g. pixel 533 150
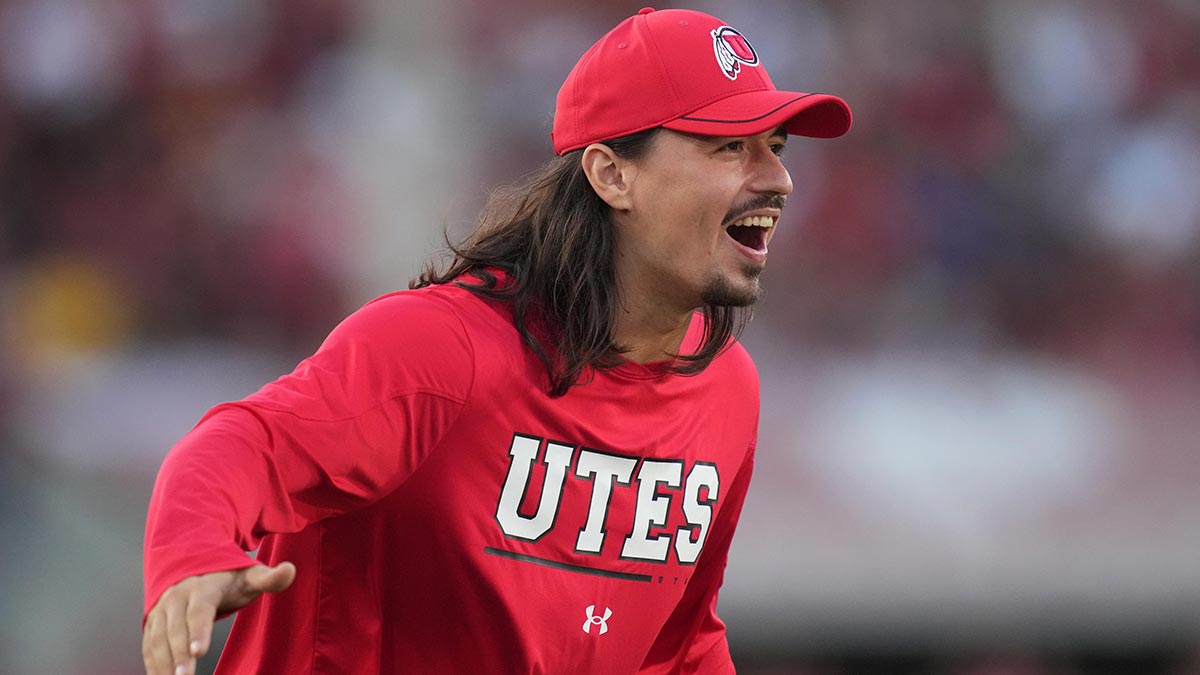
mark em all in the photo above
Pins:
pixel 609 175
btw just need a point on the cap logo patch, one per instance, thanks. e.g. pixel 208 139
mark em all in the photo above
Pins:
pixel 732 50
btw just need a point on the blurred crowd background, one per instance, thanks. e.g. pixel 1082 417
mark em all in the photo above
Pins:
pixel 980 347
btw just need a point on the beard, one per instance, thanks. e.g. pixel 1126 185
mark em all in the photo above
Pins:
pixel 721 292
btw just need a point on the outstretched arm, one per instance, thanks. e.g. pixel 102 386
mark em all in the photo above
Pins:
pixel 343 430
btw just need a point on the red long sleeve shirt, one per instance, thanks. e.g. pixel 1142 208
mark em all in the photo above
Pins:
pixel 445 515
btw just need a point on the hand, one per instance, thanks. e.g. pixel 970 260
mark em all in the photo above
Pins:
pixel 179 626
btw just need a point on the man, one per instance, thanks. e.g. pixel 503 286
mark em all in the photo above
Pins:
pixel 534 460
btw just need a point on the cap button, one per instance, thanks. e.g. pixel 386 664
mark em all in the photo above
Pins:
pixel 645 10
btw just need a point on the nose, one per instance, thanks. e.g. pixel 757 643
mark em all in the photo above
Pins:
pixel 770 175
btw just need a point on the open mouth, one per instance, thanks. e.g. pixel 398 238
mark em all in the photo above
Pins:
pixel 751 231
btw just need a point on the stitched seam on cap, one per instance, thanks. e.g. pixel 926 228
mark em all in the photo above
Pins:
pixel 661 67
pixel 575 96
pixel 748 119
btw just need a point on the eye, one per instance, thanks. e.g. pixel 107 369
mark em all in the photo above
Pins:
pixel 778 149
pixel 733 146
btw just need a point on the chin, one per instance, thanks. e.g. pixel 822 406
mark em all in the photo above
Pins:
pixel 743 292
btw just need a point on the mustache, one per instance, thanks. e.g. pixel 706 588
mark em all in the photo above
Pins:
pixel 771 201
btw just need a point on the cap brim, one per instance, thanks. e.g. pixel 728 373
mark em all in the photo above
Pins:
pixel 753 112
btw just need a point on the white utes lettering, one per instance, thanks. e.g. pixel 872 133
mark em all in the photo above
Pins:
pixel 648 477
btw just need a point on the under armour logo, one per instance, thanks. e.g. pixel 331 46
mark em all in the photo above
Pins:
pixel 593 620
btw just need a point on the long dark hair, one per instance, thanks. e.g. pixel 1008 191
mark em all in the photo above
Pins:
pixel 553 237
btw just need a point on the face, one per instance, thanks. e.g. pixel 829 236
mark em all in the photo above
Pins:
pixel 701 211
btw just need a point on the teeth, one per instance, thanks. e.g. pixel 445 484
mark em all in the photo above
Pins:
pixel 754 221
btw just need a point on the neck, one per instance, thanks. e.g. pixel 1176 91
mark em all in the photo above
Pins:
pixel 649 329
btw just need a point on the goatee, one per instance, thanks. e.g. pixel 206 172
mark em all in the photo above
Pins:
pixel 721 293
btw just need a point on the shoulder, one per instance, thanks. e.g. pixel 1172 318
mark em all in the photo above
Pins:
pixel 432 311
pixel 726 396
pixel 737 359
pixel 436 324
pixel 412 319
pixel 405 340
pixel 737 370
pixel 395 347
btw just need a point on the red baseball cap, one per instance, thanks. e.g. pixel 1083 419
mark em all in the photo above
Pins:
pixel 687 71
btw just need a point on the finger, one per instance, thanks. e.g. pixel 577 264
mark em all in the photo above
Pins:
pixel 177 637
pixel 200 617
pixel 156 653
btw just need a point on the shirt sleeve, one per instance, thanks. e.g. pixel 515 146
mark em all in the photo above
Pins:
pixel 344 429
pixel 693 638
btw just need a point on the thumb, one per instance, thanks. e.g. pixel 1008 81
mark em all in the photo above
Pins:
pixel 239 588
pixel 263 579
